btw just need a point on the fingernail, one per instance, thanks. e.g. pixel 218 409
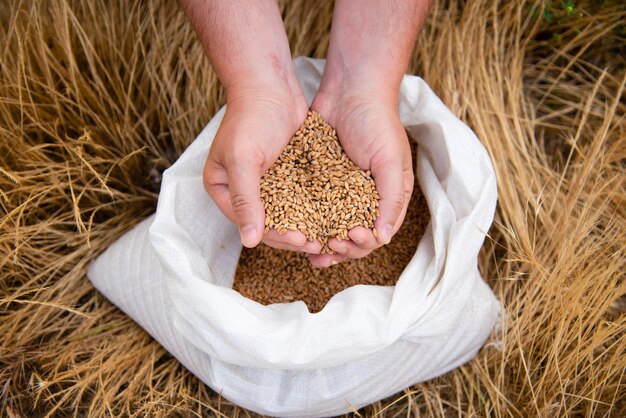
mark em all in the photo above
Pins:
pixel 248 235
pixel 341 250
pixel 385 233
pixel 358 241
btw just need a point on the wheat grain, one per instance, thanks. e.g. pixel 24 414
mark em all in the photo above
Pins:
pixel 268 275
pixel 315 188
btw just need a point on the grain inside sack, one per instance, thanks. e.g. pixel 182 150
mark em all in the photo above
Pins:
pixel 268 275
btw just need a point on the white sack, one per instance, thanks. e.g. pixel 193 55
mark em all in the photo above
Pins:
pixel 173 274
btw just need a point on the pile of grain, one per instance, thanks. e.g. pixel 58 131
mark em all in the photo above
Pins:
pixel 314 187
pixel 268 275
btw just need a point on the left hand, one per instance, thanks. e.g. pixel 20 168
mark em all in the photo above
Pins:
pixel 369 129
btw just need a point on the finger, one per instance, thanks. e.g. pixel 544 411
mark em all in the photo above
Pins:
pixel 363 238
pixel 294 238
pixel 245 198
pixel 280 245
pixel 215 182
pixel 310 247
pixel 387 171
pixel 325 260
pixel 348 249
pixel 408 191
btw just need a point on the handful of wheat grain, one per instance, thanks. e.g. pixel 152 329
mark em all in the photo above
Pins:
pixel 315 188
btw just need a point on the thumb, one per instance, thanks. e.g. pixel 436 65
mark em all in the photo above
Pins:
pixel 389 179
pixel 245 199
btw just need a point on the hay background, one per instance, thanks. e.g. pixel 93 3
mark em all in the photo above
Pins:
pixel 98 97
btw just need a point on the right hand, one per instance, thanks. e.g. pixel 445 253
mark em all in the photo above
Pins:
pixel 257 126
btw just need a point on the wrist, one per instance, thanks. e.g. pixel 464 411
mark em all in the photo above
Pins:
pixel 345 81
pixel 277 97
pixel 332 101
pixel 276 80
pixel 262 82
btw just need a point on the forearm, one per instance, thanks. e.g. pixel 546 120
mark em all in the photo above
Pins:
pixel 245 42
pixel 372 42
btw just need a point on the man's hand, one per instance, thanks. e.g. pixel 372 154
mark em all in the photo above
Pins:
pixel 370 131
pixel 370 46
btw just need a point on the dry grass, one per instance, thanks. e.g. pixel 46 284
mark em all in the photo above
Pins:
pixel 98 97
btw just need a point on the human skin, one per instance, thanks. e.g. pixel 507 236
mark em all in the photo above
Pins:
pixel 370 47
pixel 248 48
